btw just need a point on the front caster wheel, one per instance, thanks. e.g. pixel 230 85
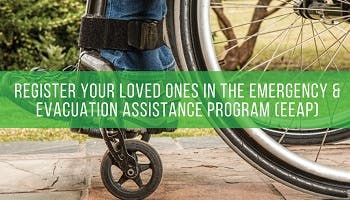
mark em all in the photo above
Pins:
pixel 146 181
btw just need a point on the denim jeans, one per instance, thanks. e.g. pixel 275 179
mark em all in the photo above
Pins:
pixel 150 60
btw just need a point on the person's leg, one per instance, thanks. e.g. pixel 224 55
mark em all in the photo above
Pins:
pixel 150 60
pixel 160 59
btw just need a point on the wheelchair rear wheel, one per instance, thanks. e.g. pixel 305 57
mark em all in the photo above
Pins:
pixel 194 49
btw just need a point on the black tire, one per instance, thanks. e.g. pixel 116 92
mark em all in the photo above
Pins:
pixel 238 139
pixel 116 189
pixel 309 137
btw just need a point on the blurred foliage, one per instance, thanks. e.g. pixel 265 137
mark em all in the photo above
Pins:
pixel 39 33
pixel 13 135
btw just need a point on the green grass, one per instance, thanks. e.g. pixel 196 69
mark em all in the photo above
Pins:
pixel 196 132
pixel 12 135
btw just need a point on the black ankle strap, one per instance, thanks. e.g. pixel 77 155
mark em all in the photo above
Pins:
pixel 103 33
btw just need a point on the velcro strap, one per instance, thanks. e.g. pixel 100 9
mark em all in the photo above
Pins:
pixel 103 33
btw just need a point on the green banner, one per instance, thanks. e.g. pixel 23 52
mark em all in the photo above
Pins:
pixel 174 99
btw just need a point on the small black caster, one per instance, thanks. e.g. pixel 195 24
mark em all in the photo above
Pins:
pixel 137 180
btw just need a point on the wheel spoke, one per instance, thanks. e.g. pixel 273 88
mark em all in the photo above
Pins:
pixel 249 23
pixel 322 144
pixel 278 47
pixel 301 46
pixel 338 48
pixel 347 50
pixel 288 50
pixel 283 136
pixel 324 48
pixel 242 6
pixel 260 33
pixel 315 43
pixel 122 180
pixel 348 3
pixel 144 167
pixel 343 37
pixel 268 45
pixel 138 181
pixel 293 52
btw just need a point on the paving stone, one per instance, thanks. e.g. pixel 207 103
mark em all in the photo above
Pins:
pixel 20 174
pixel 94 171
pixel 25 148
pixel 204 174
pixel 164 144
pixel 69 195
pixel 201 142
pixel 194 168
pixel 291 194
pixel 95 147
pixel 176 191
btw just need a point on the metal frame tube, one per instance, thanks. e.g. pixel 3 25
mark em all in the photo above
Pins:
pixel 96 7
